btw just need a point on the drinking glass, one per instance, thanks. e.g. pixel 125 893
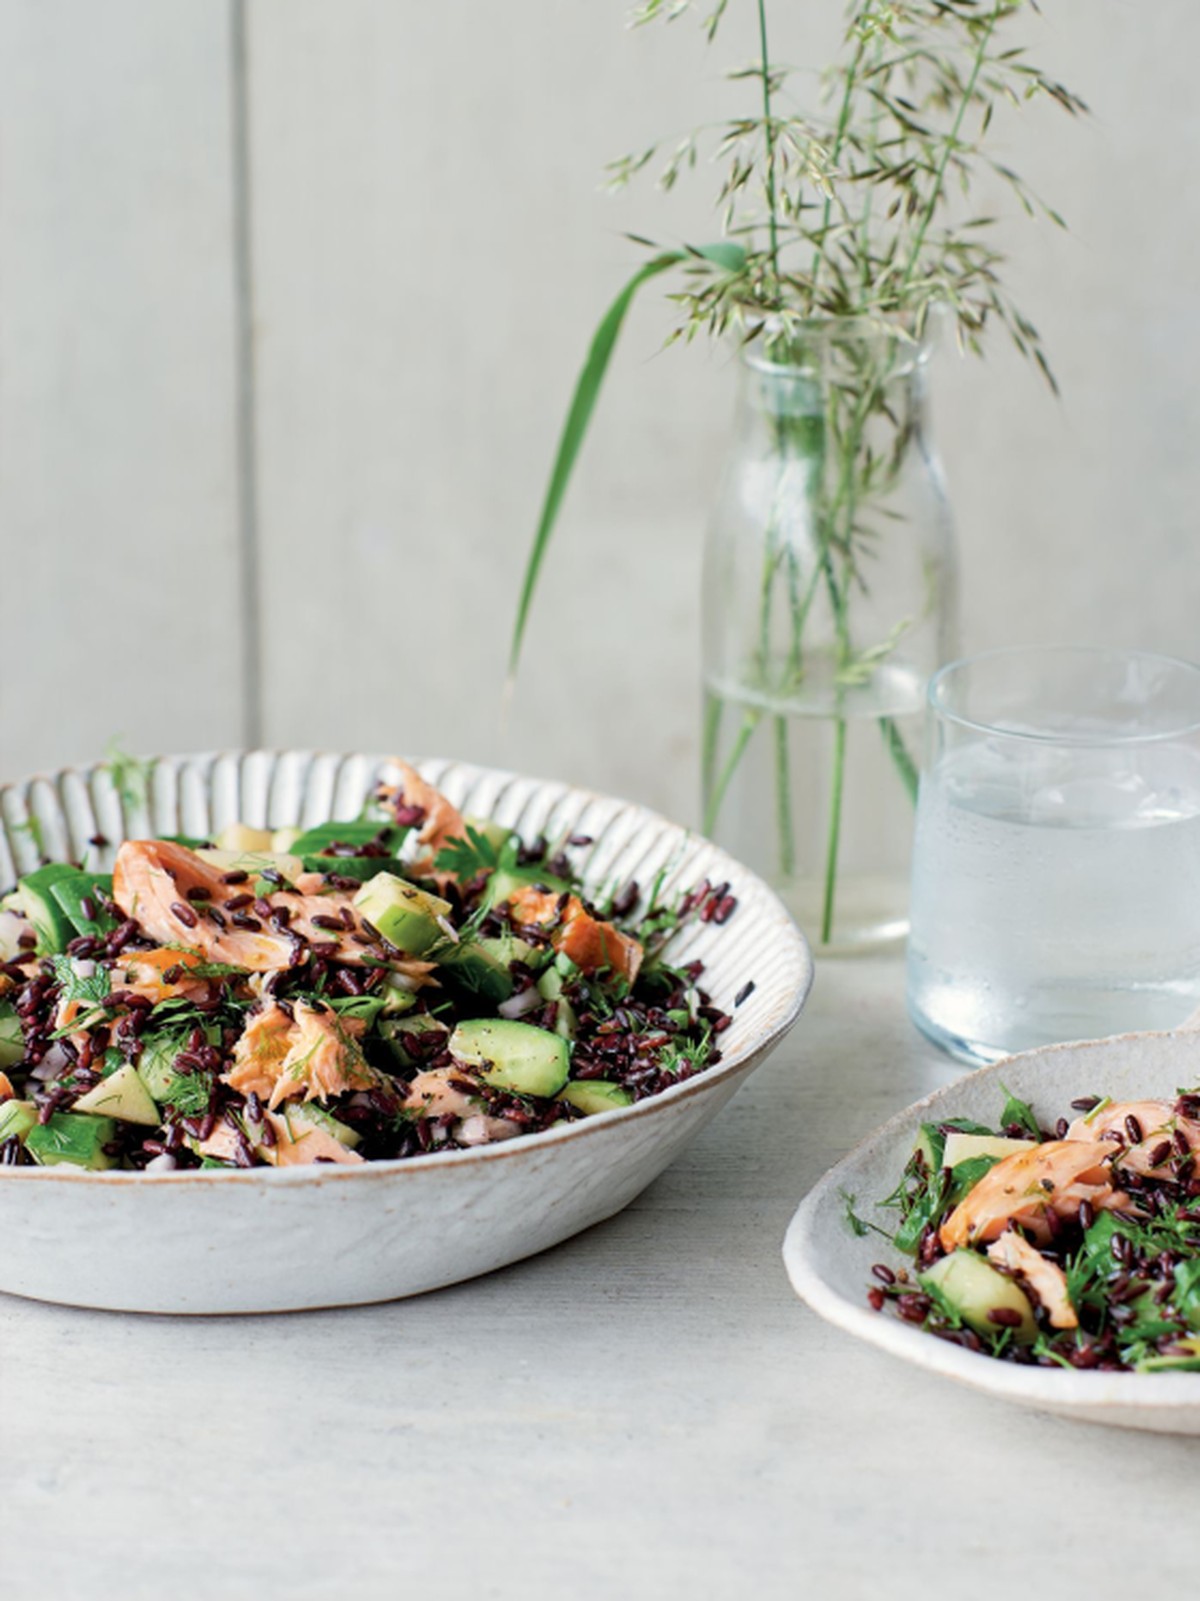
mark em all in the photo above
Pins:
pixel 1056 867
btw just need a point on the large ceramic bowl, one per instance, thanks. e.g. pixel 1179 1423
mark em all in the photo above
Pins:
pixel 830 1265
pixel 267 1240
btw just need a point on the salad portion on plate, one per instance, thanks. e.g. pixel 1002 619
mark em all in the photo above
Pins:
pixel 403 981
pixel 1076 1246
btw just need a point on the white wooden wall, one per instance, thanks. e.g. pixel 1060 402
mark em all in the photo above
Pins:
pixel 298 287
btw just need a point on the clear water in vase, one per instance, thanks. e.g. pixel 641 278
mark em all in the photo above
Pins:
pixel 814 790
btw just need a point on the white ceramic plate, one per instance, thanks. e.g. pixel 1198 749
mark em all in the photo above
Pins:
pixel 830 1267
pixel 267 1240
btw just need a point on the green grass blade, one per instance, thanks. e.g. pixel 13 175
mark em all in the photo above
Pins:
pixel 898 751
pixel 727 257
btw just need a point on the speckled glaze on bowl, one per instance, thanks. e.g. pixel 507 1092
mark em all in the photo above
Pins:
pixel 266 1240
pixel 830 1266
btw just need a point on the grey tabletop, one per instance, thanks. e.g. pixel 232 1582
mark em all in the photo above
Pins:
pixel 645 1411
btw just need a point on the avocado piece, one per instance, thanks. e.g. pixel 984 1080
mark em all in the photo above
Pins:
pixel 360 867
pixel 12 1040
pixel 592 1095
pixel 122 1095
pixel 320 840
pixel 16 1117
pixel 238 837
pixel 396 1032
pixel 481 966
pixel 396 998
pixel 513 1056
pixel 550 987
pixel 79 888
pixel 156 1064
pixel 406 916
pixel 75 1138
pixel 967 1147
pixel 971 1287
pixel 51 924
pixel 307 1115
pixel 156 1061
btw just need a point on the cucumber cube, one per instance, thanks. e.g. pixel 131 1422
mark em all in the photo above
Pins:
pixel 972 1287
pixel 77 1139
pixel 122 1095
pixel 12 1041
pixel 51 924
pixel 593 1095
pixel 480 966
pixel 513 1056
pixel 406 916
pixel 16 1117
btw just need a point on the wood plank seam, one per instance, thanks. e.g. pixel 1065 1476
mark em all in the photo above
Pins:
pixel 245 401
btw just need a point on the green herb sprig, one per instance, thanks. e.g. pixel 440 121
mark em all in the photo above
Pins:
pixel 865 213
pixel 870 208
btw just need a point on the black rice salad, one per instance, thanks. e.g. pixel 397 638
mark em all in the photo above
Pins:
pixel 1077 1246
pixel 406 981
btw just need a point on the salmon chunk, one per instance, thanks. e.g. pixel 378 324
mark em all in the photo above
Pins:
pixel 160 975
pixel 151 883
pixel 299 1147
pixel 1158 1123
pixel 311 1053
pixel 169 890
pixel 1046 1279
pixel 442 822
pixel 439 1092
pixel 1054 1177
pixel 590 943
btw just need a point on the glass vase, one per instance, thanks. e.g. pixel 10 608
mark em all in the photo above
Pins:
pixel 829 599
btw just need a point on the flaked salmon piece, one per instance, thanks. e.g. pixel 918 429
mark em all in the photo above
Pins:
pixel 222 1144
pixel 151 881
pixel 433 1094
pixel 1159 1123
pixel 1046 1279
pixel 312 883
pixel 442 822
pixel 144 973
pixel 590 943
pixel 260 1052
pixel 6 1090
pixel 295 1147
pixel 313 1054
pixel 1022 1188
